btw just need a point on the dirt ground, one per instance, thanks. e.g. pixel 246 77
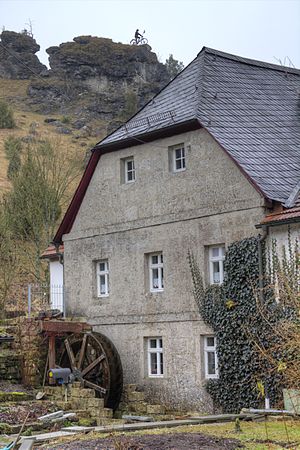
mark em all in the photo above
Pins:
pixel 176 441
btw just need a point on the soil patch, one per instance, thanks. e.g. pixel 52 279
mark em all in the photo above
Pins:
pixel 176 441
pixel 15 414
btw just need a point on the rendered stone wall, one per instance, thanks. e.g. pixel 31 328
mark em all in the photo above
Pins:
pixel 208 204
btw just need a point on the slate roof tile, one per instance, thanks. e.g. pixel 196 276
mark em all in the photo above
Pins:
pixel 250 107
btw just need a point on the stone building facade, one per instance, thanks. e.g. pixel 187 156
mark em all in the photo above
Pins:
pixel 194 170
pixel 208 204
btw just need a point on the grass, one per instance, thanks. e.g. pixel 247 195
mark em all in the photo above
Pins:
pixel 14 92
pixel 254 435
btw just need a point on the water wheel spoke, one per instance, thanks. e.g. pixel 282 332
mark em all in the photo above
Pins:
pixel 82 351
pixel 92 365
pixel 70 354
pixel 95 386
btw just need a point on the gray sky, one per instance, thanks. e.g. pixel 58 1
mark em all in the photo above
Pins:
pixel 259 29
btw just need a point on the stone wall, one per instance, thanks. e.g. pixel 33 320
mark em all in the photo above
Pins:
pixel 33 348
pixel 210 203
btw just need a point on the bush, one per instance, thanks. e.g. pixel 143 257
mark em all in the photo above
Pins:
pixel 6 116
pixel 13 150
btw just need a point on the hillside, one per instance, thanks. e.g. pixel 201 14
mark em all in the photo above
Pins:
pixel 92 86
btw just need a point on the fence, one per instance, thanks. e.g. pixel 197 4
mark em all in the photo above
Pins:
pixel 44 297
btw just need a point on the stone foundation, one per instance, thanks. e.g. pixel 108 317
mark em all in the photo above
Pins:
pixel 78 399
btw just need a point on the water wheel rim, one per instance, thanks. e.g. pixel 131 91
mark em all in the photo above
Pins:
pixel 78 357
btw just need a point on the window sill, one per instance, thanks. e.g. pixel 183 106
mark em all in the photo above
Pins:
pixel 154 291
pixel 179 170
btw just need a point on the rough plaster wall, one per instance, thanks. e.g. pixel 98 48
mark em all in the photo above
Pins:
pixel 210 203
pixel 211 183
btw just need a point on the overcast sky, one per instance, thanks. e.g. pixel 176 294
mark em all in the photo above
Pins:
pixel 259 29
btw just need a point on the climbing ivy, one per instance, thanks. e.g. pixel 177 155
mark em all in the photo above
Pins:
pixel 233 311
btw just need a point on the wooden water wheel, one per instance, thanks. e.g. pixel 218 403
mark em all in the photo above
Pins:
pixel 95 362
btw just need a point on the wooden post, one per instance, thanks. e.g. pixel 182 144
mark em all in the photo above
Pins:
pixel 52 358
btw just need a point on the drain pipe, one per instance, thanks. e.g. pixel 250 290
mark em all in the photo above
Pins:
pixel 261 239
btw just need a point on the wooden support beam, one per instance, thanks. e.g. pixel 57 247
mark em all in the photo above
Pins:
pixel 52 356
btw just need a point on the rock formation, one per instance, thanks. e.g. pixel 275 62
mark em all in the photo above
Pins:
pixel 91 78
pixel 17 56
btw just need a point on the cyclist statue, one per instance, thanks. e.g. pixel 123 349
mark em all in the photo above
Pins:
pixel 138 39
pixel 138 36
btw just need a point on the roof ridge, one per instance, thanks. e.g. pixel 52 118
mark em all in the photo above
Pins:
pixel 200 80
pixel 250 61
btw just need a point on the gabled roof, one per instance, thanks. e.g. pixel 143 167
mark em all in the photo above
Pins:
pixel 251 108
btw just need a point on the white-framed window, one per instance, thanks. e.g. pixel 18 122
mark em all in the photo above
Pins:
pixel 178 156
pixel 102 278
pixel 156 272
pixel 216 264
pixel 129 174
pixel 210 357
pixel 155 357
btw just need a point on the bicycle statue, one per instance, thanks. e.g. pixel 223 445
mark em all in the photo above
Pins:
pixel 138 39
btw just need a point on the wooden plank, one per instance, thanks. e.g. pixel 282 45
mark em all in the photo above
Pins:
pixel 70 354
pixel 95 386
pixel 62 326
pixel 28 444
pixel 51 416
pixel 52 356
pixel 92 365
pixel 82 351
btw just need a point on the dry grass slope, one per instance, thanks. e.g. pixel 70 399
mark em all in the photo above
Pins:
pixel 14 92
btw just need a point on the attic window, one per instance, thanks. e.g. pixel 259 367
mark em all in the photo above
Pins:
pixel 177 158
pixel 127 170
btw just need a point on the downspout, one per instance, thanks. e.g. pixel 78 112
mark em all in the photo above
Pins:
pixel 261 239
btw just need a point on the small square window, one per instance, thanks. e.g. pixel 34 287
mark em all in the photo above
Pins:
pixel 155 357
pixel 102 270
pixel 216 264
pixel 177 158
pixel 156 272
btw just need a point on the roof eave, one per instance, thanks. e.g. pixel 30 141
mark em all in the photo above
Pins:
pixel 147 136
pixel 278 222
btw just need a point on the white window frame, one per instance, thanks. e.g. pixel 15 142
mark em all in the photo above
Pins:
pixel 159 266
pixel 210 349
pixel 220 259
pixel 105 274
pixel 127 171
pixel 182 158
pixel 158 350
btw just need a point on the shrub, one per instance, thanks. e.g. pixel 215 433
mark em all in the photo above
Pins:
pixel 6 116
pixel 13 150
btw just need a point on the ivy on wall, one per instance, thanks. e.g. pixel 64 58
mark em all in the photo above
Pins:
pixel 232 310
